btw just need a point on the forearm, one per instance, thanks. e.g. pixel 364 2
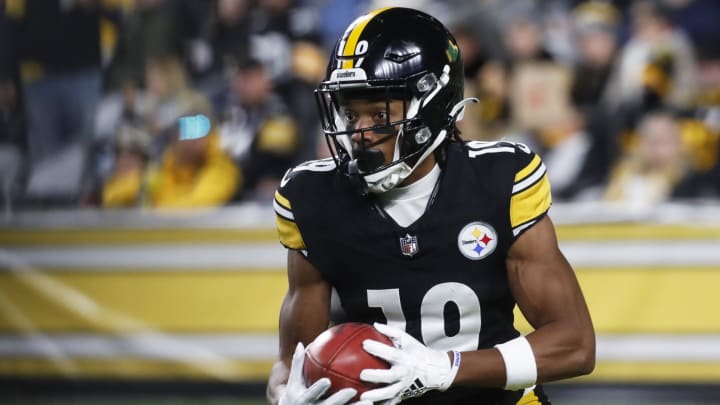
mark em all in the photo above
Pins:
pixel 559 351
pixel 481 368
pixel 562 350
pixel 303 315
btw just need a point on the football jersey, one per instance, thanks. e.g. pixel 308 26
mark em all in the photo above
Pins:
pixel 443 278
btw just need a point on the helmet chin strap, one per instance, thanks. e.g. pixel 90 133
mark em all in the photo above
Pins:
pixel 392 176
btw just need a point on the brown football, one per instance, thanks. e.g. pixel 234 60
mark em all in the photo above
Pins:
pixel 338 355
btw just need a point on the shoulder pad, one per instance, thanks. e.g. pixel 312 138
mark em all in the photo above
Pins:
pixel 316 166
pixel 292 187
pixel 531 194
pixel 479 148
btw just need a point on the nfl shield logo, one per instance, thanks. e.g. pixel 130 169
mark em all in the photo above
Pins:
pixel 408 245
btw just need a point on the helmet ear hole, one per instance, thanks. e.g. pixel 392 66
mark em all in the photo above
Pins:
pixel 426 83
pixel 422 135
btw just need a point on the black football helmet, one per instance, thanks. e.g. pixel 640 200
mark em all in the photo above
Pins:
pixel 388 54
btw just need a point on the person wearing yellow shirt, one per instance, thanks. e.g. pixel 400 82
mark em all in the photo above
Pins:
pixel 194 172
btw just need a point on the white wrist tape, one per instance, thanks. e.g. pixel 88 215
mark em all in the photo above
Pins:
pixel 454 367
pixel 520 366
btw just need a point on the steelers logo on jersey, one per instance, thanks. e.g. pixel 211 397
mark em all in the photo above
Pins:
pixel 477 240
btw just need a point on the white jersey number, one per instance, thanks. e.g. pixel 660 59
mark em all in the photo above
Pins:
pixel 432 314
pixel 322 165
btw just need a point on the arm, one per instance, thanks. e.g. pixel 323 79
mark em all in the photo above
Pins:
pixel 548 294
pixel 304 314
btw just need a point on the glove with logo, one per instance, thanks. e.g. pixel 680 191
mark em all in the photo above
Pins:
pixel 296 393
pixel 415 368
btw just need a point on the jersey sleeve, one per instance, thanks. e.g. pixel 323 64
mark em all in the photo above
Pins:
pixel 531 197
pixel 288 230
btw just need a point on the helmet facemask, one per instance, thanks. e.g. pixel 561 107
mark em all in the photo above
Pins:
pixel 415 139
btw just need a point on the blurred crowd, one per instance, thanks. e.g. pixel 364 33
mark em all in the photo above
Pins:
pixel 187 103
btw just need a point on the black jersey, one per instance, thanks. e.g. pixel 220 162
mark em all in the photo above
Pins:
pixel 443 278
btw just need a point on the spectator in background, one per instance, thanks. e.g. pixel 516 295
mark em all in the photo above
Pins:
pixel 56 47
pixel 308 69
pixel 276 24
pixel 523 39
pixel 702 140
pixel 12 117
pixel 596 42
pixel 489 119
pixel 577 157
pixel 486 78
pixel 595 24
pixel 258 130
pixel 124 184
pixel 656 67
pixel 193 173
pixel 12 143
pixel 656 164
pixel 223 37
pixel 699 20
pixel 167 96
pixel 152 112
pixel 149 31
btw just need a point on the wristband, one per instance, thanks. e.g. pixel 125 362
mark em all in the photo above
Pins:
pixel 520 366
pixel 454 367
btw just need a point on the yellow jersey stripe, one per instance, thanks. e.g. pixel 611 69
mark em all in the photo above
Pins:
pixel 284 202
pixel 289 234
pixel 529 399
pixel 529 169
pixel 357 30
pixel 530 203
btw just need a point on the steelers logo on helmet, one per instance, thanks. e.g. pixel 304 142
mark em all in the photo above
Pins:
pixel 477 240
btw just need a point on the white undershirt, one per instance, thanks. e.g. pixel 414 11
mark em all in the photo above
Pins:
pixel 406 204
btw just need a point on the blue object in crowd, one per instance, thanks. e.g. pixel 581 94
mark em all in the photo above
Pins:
pixel 194 127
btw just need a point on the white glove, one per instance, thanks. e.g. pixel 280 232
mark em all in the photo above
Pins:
pixel 415 368
pixel 296 393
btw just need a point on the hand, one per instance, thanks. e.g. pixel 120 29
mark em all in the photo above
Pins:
pixel 415 368
pixel 296 393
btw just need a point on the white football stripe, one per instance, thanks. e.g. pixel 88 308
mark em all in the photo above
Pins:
pixel 282 211
pixel 474 153
pixel 535 176
pixel 520 228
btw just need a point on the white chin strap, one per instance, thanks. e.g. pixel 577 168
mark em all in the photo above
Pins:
pixel 390 177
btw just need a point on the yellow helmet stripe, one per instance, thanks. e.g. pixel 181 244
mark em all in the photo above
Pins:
pixel 354 36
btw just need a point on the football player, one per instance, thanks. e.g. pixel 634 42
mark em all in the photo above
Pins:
pixel 432 239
